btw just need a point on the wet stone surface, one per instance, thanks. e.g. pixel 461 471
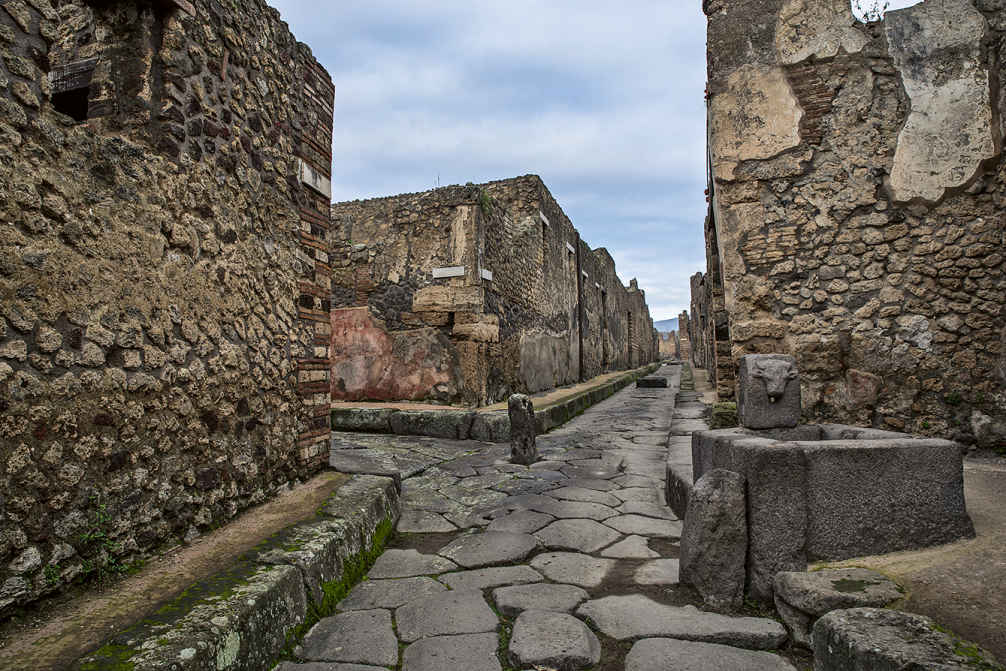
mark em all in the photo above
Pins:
pixel 499 565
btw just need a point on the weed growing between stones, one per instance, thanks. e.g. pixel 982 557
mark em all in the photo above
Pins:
pixel 724 416
pixel 112 658
pixel 973 655
pixel 353 571
pixel 97 540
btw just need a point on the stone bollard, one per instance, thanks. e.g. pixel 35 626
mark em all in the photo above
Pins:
pixel 714 540
pixel 522 431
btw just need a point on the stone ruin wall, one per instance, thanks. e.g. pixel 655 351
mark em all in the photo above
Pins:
pixel 163 277
pixel 857 197
pixel 399 333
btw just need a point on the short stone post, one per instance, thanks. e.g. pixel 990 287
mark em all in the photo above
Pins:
pixel 522 445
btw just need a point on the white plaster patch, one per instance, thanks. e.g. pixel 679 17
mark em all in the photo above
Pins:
pixel 314 179
pixel 756 117
pixel 452 271
pixel 816 28
pixel 937 48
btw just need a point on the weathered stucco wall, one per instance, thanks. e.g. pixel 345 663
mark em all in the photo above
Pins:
pixel 488 284
pixel 857 195
pixel 160 351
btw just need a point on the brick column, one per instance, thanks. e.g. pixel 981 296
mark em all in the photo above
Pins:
pixel 314 154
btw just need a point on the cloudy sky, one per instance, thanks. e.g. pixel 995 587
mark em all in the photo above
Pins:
pixel 603 100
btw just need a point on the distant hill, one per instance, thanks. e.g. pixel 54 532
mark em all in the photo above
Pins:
pixel 666 325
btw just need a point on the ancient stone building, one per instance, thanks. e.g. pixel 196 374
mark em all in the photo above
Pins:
pixel 856 205
pixel 164 278
pixel 465 294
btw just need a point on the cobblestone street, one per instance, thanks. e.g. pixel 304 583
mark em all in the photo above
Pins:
pixel 571 563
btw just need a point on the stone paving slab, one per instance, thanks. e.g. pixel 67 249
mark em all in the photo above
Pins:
pixel 657 572
pixel 658 510
pixel 645 526
pixel 363 637
pixel 471 652
pixel 327 666
pixel 423 522
pixel 521 522
pixel 446 614
pixel 514 599
pixel 489 548
pixel 585 495
pixel 665 654
pixel 645 494
pixel 549 639
pixel 496 576
pixel 409 563
pixel 389 593
pixel 636 616
pixel 632 547
pixel 573 568
pixel 585 536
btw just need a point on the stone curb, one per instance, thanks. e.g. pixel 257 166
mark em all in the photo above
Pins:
pixel 678 477
pixel 490 427
pixel 246 616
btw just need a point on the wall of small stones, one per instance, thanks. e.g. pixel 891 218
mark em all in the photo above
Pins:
pixel 156 348
pixel 857 195
pixel 470 339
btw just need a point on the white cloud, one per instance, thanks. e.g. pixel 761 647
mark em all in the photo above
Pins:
pixel 604 101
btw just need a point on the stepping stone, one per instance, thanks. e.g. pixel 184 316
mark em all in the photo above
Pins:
pixel 471 652
pixel 423 522
pixel 445 614
pixel 633 547
pixel 511 601
pixel 647 509
pixel 573 568
pixel 636 616
pixel 552 640
pixel 408 563
pixel 491 577
pixel 665 654
pixel 645 526
pixel 362 637
pixel 585 495
pixel 657 572
pixel 592 483
pixel 389 593
pixel 520 522
pixel 492 547
pixel 585 536
pixel 648 494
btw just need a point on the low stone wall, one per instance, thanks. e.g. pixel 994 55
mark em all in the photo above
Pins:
pixel 246 616
pixel 490 427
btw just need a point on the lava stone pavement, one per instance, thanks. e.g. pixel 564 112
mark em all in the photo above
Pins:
pixel 571 563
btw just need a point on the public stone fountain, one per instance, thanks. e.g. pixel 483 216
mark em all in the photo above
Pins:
pixel 823 491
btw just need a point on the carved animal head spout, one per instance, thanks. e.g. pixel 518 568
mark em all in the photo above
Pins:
pixel 775 375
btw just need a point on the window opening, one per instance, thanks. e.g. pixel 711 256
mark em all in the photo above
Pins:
pixel 71 88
